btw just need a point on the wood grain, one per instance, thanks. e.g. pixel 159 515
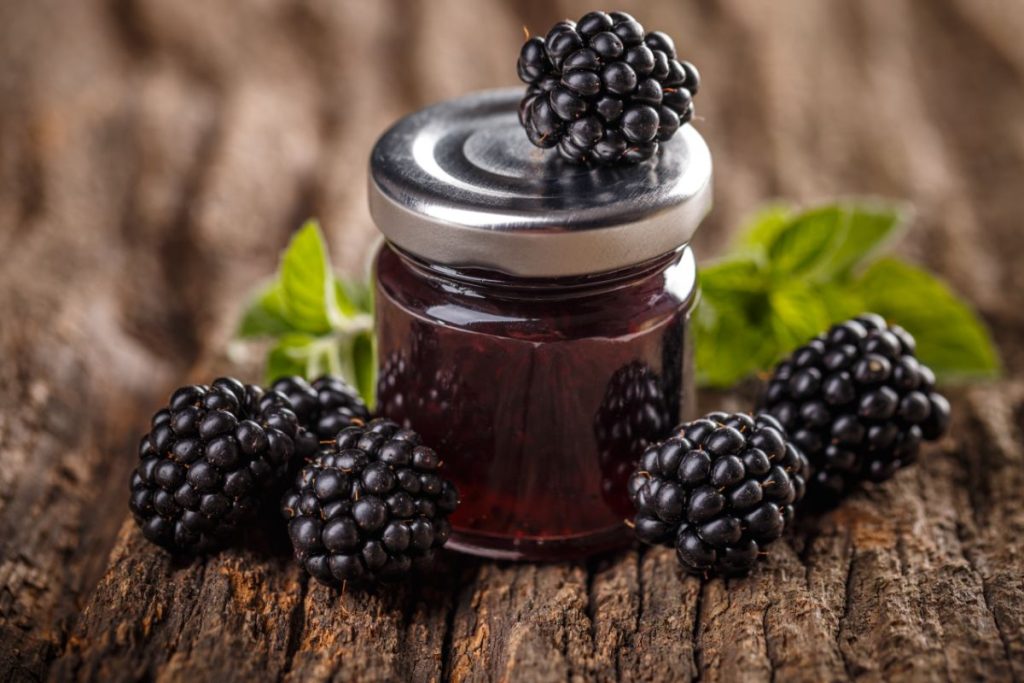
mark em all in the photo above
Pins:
pixel 155 155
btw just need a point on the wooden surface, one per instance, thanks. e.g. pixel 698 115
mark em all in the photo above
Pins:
pixel 154 157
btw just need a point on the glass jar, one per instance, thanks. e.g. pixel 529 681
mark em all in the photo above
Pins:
pixel 532 319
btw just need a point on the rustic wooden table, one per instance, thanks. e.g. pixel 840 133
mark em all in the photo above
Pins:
pixel 154 156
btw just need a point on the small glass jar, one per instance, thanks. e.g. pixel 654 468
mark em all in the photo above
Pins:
pixel 532 319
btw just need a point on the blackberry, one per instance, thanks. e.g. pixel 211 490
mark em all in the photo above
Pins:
pixel 857 402
pixel 633 414
pixel 603 91
pixel 369 505
pixel 325 406
pixel 719 490
pixel 209 458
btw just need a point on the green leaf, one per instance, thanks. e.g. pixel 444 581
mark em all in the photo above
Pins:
pixel 729 343
pixel 840 301
pixel 791 275
pixel 266 315
pixel 728 320
pixel 870 227
pixel 357 295
pixel 798 314
pixel 825 243
pixel 806 242
pixel 951 339
pixel 290 356
pixel 763 228
pixel 734 275
pixel 364 359
pixel 308 287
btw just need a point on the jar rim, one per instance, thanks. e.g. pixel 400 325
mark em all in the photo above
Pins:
pixel 497 285
pixel 459 184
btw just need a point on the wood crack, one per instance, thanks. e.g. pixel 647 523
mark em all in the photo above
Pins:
pixel 698 620
pixel 296 626
pixel 769 650
pixel 847 602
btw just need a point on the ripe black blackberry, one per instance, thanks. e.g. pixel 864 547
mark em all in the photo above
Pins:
pixel 633 414
pixel 603 91
pixel 209 457
pixel 369 505
pixel 857 402
pixel 325 406
pixel 719 490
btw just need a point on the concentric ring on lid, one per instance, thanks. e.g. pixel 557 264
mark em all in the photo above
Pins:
pixel 459 184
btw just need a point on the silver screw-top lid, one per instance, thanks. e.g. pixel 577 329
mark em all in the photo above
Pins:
pixel 459 184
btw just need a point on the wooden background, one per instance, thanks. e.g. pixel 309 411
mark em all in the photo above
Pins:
pixel 155 155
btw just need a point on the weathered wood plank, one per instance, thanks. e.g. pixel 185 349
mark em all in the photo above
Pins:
pixel 897 583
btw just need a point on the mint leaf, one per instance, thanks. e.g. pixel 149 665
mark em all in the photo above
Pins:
pixel 308 290
pixel 312 356
pixel 266 315
pixel 869 227
pixel 729 345
pixel 736 275
pixel 364 360
pixel 823 243
pixel 797 315
pixel 951 339
pixel 321 324
pixel 789 276
pixel 763 228
pixel 729 317
pixel 806 241
pixel 356 295
pixel 839 301
pixel 290 356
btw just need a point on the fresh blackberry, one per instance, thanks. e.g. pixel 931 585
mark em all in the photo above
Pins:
pixel 633 414
pixel 325 406
pixel 603 90
pixel 369 505
pixel 857 402
pixel 209 457
pixel 719 490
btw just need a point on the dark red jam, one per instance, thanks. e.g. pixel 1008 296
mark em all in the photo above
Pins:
pixel 539 394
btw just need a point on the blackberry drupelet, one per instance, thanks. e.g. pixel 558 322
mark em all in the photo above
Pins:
pixel 369 505
pixel 633 414
pixel 325 406
pixel 603 90
pixel 719 490
pixel 209 457
pixel 858 403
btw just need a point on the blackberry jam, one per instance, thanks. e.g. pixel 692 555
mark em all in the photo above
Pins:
pixel 532 319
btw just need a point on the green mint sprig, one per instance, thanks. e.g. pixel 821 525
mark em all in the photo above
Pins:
pixel 320 324
pixel 791 274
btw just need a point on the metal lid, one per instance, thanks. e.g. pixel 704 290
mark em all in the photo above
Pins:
pixel 459 184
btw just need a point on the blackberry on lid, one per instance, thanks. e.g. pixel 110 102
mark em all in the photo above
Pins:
pixel 603 91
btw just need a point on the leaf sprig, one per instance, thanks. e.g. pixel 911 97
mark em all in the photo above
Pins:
pixel 790 274
pixel 319 323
